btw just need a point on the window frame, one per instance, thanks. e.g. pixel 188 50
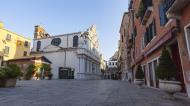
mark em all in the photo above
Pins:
pixel 38 46
pixel 26 43
pixel 25 53
pixel 75 41
pixel 162 14
pixel 56 41
pixel 153 71
pixel 8 37
pixel 150 33
pixel 7 50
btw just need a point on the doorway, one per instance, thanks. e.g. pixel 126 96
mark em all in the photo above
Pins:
pixel 66 73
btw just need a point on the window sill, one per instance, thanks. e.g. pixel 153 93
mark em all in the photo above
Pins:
pixel 150 41
pixel 168 23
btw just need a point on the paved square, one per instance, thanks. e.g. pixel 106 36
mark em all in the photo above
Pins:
pixel 84 93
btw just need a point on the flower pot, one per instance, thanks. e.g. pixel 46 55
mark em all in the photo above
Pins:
pixel 139 82
pixel 8 82
pixel 170 87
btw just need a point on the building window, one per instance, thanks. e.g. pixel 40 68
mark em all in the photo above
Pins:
pixel 26 43
pixel 163 8
pixel 162 13
pixel 93 67
pixel 143 6
pixel 152 76
pixel 38 46
pixel 135 31
pixel 90 66
pixel 110 63
pixel 56 41
pixel 85 65
pixel 8 37
pixel 150 33
pixel 25 53
pixel 75 41
pixel 6 50
pixel 187 37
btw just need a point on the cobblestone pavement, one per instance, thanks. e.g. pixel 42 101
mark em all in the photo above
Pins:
pixel 84 93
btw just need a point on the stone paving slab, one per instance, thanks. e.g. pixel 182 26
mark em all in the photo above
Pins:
pixel 84 93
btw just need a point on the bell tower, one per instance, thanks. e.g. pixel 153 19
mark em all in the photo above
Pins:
pixel 39 32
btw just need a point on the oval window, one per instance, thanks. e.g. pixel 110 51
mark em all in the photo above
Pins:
pixel 56 41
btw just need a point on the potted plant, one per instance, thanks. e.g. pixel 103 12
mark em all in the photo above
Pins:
pixel 139 76
pixel 8 75
pixel 166 72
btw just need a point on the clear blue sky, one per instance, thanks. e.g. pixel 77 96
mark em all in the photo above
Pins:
pixel 66 16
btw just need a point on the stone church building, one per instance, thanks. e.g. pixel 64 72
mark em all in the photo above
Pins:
pixel 73 55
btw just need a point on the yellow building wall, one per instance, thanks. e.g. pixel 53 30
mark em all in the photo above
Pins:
pixel 15 44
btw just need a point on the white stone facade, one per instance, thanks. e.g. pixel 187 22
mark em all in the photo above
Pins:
pixel 81 54
pixel 112 64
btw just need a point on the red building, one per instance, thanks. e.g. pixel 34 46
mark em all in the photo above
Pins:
pixel 152 25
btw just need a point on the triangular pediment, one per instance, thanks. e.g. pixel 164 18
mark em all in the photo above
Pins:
pixel 51 48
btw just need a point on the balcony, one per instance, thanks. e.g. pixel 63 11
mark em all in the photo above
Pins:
pixel 175 7
pixel 145 10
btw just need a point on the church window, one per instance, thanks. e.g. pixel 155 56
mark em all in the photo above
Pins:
pixel 38 45
pixel 75 41
pixel 56 41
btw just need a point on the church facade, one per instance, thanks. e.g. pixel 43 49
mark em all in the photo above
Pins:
pixel 73 55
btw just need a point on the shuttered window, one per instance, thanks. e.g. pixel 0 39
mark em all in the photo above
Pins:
pixel 150 33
